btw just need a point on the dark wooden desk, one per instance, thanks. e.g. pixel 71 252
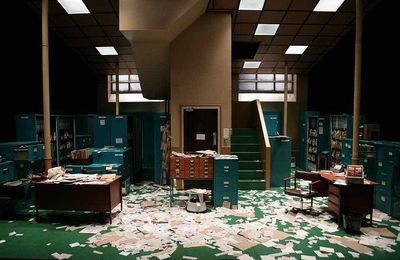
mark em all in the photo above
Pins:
pixel 350 198
pixel 85 197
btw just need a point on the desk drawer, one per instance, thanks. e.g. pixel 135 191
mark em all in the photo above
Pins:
pixel 334 208
pixel 333 198
pixel 334 190
pixel 225 185
pixel 7 171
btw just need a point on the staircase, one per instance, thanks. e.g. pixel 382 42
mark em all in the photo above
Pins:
pixel 245 146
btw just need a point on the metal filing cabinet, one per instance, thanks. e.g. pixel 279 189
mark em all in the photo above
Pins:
pixel 387 196
pixel 101 131
pixel 7 171
pixel 112 155
pixel 225 185
pixel 31 152
pixel 119 131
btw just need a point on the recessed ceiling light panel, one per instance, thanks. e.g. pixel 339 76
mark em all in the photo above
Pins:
pixel 107 50
pixel 266 29
pixel 328 5
pixel 296 49
pixel 251 64
pixel 254 5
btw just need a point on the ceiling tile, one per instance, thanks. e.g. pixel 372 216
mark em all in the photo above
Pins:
pixel 264 39
pixel 258 56
pixel 107 19
pixel 88 51
pixel 79 42
pixel 331 30
pixel 291 58
pixel 314 50
pixel 309 58
pixel 95 59
pixel 55 8
pixel 277 4
pixel 282 40
pixel 302 65
pixel 265 71
pixel 303 5
pixel 112 31
pixel 273 57
pixel 102 66
pixel 226 4
pixel 342 18
pixel 61 20
pixel 84 20
pixel 252 71
pixel 295 17
pixel 262 49
pixel 93 31
pixel 268 64
pixel 120 41
pixel 319 18
pixel 242 37
pixel 70 32
pixel 115 4
pixel 247 16
pixel 282 64
pixel 303 40
pixel 323 40
pixel 277 49
pixel 111 59
pixel 96 6
pixel 101 41
pixel 123 50
pixel 272 17
pixel 348 6
pixel 310 29
pixel 288 29
pixel 243 28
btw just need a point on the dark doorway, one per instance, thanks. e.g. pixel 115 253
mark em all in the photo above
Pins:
pixel 200 129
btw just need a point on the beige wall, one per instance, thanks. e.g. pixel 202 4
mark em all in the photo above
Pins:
pixel 201 71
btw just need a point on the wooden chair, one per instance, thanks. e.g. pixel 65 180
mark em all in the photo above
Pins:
pixel 314 189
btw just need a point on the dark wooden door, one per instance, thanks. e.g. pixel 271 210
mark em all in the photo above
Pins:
pixel 200 129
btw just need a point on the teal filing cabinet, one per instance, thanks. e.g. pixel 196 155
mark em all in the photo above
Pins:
pixel 119 131
pixel 101 131
pixel 273 123
pixel 7 171
pixel 280 159
pixel 225 183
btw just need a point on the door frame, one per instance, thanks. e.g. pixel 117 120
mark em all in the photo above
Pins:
pixel 182 109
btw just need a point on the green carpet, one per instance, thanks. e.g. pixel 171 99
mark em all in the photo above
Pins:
pixel 40 240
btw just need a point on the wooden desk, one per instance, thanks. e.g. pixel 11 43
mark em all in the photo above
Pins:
pixel 85 197
pixel 350 198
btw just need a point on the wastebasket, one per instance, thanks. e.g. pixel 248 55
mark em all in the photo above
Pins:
pixel 352 223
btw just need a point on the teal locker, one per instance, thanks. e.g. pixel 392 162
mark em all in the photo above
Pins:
pixel 101 131
pixel 119 131
pixel 26 128
pixel 273 123
pixel 280 159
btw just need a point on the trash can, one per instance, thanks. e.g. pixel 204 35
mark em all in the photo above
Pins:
pixel 352 223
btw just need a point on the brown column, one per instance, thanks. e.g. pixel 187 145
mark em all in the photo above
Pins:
pixel 117 91
pixel 46 89
pixel 357 81
pixel 285 102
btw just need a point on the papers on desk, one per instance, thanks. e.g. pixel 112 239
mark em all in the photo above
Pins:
pixel 340 182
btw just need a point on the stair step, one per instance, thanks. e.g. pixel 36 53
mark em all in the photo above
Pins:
pixel 243 139
pixel 251 184
pixel 243 132
pixel 251 175
pixel 251 165
pixel 246 156
pixel 245 148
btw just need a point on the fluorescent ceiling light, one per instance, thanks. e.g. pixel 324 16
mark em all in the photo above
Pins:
pixel 107 50
pixel 328 5
pixel 296 49
pixel 251 64
pixel 74 6
pixel 251 4
pixel 266 29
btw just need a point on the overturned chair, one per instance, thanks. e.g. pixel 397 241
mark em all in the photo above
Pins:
pixel 314 189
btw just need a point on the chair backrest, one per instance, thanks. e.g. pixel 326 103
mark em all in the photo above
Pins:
pixel 305 175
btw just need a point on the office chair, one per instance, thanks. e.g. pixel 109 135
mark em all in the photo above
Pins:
pixel 314 189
